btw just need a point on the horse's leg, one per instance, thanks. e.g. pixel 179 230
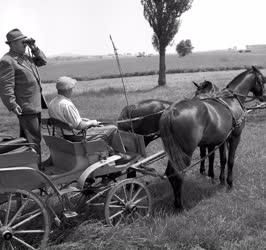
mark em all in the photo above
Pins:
pixel 202 163
pixel 176 181
pixel 233 143
pixel 211 161
pixel 222 151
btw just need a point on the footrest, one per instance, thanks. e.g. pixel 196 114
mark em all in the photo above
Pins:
pixel 70 214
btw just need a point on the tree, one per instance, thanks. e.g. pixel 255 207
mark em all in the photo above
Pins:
pixel 164 18
pixel 155 42
pixel 184 48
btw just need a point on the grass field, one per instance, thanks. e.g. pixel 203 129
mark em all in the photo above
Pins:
pixel 134 66
pixel 214 218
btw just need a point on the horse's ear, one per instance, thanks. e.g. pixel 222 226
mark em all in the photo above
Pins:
pixel 197 86
pixel 254 68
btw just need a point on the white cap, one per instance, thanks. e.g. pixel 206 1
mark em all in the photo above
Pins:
pixel 65 82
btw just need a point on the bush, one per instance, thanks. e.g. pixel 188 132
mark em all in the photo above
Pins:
pixel 184 48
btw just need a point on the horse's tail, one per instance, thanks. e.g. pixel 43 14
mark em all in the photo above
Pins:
pixel 172 141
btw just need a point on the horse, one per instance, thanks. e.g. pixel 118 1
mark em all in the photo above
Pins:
pixel 207 89
pixel 146 114
pixel 212 122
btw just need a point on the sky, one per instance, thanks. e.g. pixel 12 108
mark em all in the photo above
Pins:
pixel 82 27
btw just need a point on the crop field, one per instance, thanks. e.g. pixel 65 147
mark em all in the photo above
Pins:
pixel 106 67
pixel 213 218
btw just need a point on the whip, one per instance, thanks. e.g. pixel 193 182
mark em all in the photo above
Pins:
pixel 122 79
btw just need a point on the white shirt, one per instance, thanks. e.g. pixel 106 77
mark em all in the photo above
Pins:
pixel 63 109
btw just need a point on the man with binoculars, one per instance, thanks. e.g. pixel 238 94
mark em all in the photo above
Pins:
pixel 20 85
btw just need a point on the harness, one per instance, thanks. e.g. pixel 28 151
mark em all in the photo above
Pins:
pixel 237 119
pixel 153 135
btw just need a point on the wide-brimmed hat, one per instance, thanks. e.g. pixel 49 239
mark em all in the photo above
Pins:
pixel 14 35
pixel 65 82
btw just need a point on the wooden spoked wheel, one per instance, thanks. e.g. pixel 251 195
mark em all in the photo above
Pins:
pixel 24 221
pixel 127 202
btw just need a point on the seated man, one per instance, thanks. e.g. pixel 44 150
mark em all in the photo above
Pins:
pixel 63 109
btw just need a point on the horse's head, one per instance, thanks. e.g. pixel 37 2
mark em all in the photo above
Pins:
pixel 249 80
pixel 206 87
pixel 258 88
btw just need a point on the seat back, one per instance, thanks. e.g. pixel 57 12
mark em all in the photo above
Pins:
pixel 52 124
pixel 70 156
pixel 21 178
pixel 17 158
pixel 133 143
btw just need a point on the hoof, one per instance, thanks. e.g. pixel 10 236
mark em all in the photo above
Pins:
pixel 211 176
pixel 213 181
pixel 222 182
pixel 179 208
pixel 202 172
pixel 229 187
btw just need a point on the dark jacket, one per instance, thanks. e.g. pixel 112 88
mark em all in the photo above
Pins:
pixel 20 81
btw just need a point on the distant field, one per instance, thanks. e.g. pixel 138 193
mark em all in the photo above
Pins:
pixel 134 66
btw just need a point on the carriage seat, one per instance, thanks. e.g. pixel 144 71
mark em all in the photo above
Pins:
pixel 124 142
pixel 9 144
pixel 56 127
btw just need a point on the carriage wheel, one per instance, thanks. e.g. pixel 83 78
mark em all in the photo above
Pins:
pixel 24 221
pixel 126 202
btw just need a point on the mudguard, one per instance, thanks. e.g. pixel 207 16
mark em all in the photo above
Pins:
pixel 88 173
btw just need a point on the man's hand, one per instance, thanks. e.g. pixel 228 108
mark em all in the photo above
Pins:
pixel 17 110
pixel 94 123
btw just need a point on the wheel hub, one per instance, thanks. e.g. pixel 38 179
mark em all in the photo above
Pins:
pixel 130 206
pixel 7 234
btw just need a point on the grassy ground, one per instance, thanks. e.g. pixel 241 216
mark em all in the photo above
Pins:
pixel 214 218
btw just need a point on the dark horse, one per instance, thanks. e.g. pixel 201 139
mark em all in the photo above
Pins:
pixel 205 90
pixel 191 123
pixel 145 117
pixel 146 114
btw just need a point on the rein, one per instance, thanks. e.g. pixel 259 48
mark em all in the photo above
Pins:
pixel 139 118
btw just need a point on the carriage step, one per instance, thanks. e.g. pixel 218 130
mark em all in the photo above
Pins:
pixel 70 214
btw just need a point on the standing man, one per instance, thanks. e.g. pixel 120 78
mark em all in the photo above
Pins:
pixel 20 85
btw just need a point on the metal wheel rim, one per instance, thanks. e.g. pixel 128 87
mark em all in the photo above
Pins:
pixel 127 202
pixel 16 217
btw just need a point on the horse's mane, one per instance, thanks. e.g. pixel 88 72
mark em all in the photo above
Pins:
pixel 238 78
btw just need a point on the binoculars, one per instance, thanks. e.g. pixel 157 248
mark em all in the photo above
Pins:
pixel 29 41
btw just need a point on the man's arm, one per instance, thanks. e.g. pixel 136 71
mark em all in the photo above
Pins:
pixel 7 86
pixel 84 124
pixel 72 115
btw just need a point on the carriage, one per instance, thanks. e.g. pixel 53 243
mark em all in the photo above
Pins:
pixel 83 173
pixel 81 176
